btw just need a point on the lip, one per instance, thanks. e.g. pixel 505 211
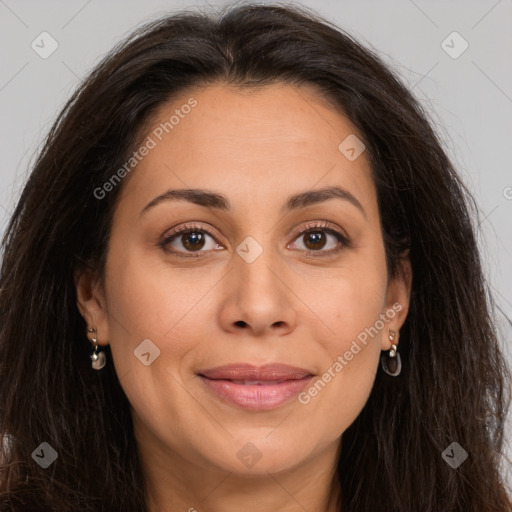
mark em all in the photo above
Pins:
pixel 256 388
pixel 244 371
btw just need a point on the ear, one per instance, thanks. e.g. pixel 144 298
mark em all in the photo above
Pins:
pixel 398 298
pixel 91 303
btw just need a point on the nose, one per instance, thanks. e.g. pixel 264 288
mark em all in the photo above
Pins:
pixel 257 298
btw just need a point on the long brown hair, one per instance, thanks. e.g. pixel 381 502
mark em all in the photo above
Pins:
pixel 453 383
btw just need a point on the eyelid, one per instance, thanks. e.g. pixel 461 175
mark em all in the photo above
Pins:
pixel 319 224
pixel 188 226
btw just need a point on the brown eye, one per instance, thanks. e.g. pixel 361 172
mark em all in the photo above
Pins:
pixel 319 240
pixel 189 241
pixel 192 240
pixel 314 240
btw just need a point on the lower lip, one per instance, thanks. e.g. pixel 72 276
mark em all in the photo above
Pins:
pixel 255 397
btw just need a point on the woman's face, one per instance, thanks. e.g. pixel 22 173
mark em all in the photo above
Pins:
pixel 246 287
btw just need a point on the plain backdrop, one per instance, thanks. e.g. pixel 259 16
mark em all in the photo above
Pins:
pixel 464 80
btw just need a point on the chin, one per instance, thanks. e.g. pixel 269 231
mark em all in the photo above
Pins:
pixel 260 457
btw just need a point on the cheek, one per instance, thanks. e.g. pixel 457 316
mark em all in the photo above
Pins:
pixel 350 308
pixel 149 298
pixel 170 307
pixel 153 332
pixel 143 310
pixel 348 299
pixel 349 364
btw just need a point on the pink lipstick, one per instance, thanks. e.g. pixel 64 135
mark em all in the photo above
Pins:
pixel 256 388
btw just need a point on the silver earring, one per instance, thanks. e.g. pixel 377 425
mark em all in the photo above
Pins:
pixel 392 363
pixel 98 358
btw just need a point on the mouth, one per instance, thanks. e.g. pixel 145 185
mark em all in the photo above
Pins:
pixel 255 388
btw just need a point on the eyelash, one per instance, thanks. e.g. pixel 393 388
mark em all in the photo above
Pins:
pixel 312 227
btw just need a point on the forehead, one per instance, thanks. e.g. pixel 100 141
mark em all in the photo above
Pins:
pixel 249 142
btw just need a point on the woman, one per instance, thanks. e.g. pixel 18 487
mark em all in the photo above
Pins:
pixel 243 274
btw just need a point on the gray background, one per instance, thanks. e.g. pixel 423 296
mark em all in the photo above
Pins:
pixel 469 97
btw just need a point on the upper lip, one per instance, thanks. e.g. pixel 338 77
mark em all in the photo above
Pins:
pixel 243 371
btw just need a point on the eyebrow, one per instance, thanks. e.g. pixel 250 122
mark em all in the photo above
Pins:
pixel 210 199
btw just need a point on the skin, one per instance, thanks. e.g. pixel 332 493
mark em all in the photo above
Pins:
pixel 257 148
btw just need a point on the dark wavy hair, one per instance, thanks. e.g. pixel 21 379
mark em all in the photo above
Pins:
pixel 453 385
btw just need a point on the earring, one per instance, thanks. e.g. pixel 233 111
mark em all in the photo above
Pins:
pixel 97 357
pixel 392 363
